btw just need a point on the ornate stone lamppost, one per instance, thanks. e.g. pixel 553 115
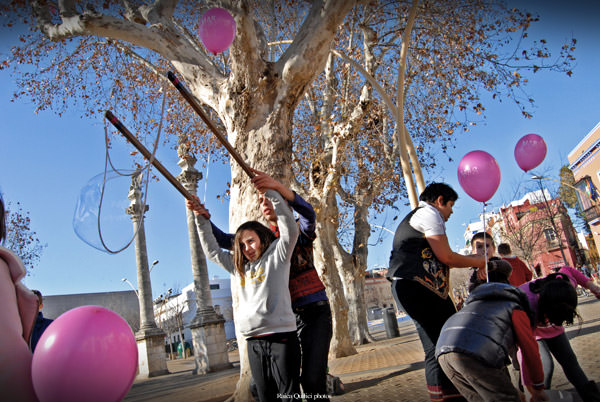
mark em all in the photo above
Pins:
pixel 207 327
pixel 152 359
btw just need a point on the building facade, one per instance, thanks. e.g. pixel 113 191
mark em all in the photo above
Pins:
pixel 584 162
pixel 493 226
pixel 173 312
pixel 378 291
pixel 540 231
pixel 124 303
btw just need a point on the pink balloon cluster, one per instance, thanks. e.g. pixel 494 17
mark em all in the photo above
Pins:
pixel 217 30
pixel 479 173
pixel 87 354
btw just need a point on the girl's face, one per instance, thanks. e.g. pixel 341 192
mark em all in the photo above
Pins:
pixel 250 245
pixel 266 207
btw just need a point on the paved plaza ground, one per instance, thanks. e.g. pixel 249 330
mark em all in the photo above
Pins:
pixel 385 370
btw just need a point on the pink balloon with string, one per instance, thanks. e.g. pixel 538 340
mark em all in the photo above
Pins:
pixel 217 30
pixel 530 151
pixel 479 175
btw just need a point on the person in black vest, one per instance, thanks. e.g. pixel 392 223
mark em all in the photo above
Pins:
pixel 475 343
pixel 419 270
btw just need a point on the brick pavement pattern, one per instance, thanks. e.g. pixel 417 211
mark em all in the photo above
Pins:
pixel 386 370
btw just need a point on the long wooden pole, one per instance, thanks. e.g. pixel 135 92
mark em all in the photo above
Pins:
pixel 194 104
pixel 140 147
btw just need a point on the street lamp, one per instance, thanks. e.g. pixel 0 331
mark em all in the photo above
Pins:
pixel 131 284
pixel 381 227
pixel 132 287
pixel 152 266
pixel 580 191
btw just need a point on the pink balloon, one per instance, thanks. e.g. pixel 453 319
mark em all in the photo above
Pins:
pixel 87 354
pixel 479 175
pixel 530 151
pixel 217 30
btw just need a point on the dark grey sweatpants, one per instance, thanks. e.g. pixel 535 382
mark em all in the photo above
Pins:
pixel 275 365
pixel 477 381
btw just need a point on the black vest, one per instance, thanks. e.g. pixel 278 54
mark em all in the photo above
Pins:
pixel 412 258
pixel 483 328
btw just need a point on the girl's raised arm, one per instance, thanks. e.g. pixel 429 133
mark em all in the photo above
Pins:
pixel 288 229
pixel 209 243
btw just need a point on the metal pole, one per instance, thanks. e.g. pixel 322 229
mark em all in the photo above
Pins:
pixel 132 287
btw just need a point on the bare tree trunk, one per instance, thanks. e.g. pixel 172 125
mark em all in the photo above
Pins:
pixel 326 263
pixel 400 139
pixel 242 388
pixel 354 279
pixel 266 149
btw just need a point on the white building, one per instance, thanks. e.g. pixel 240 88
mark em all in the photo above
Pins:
pixel 174 312
pixel 493 225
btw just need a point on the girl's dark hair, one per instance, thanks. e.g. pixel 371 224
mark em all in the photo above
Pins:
pixel 434 190
pixel 557 301
pixel 2 220
pixel 264 234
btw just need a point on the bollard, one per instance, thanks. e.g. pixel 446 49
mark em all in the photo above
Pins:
pixel 390 323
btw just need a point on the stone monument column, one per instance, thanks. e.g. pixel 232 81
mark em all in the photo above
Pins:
pixel 207 327
pixel 152 359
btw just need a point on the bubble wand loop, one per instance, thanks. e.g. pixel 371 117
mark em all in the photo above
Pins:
pixel 194 104
pixel 138 145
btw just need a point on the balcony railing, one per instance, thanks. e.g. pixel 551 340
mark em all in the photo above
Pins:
pixel 592 213
pixel 552 244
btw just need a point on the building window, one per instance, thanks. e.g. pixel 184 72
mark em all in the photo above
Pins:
pixel 550 235
pixel 214 286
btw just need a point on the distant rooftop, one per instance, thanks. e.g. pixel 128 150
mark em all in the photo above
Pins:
pixel 533 197
pixel 583 140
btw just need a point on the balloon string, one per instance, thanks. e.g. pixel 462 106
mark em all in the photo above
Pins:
pixel 487 277
pixel 140 171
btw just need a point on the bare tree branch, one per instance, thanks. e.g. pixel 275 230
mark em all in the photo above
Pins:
pixel 159 11
pixel 323 18
pixel 129 52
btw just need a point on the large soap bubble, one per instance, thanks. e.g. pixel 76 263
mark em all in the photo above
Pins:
pixel 101 218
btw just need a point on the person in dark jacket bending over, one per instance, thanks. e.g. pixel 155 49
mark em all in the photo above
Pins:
pixel 309 299
pixel 419 270
pixel 475 344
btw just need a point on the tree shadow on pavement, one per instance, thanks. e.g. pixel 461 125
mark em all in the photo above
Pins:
pixel 353 386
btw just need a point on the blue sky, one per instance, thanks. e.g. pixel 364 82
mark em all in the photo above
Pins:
pixel 45 161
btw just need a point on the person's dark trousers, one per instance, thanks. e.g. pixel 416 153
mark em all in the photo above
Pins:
pixel 275 365
pixel 314 332
pixel 561 349
pixel 429 313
